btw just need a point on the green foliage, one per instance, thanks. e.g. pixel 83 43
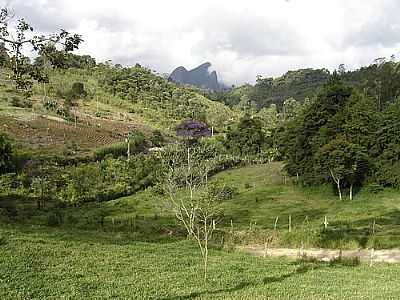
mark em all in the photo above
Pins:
pixel 222 192
pixel 137 144
pixel 109 179
pixel 160 99
pixel 343 161
pixel 247 138
pixel 54 219
pixel 114 151
pixel 60 59
pixel 6 154
pixel 61 110
pixel 157 139
pixel 24 73
pixel 21 102
pixel 77 91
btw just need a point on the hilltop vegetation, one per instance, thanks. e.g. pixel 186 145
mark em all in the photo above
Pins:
pixel 379 80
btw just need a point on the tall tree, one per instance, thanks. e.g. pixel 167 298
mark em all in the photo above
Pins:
pixel 16 39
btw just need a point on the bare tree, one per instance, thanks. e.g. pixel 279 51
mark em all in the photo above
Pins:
pixel 194 202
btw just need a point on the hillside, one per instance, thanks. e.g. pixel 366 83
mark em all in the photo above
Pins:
pixel 113 105
pixel 380 80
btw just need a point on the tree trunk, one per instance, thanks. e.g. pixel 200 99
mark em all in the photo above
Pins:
pixel 339 190
pixel 337 181
pixel 351 192
pixel 205 261
pixel 205 256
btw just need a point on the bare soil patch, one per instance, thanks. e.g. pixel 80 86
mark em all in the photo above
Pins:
pixel 388 256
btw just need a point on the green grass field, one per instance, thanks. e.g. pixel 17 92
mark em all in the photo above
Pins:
pixel 370 220
pixel 141 253
pixel 42 263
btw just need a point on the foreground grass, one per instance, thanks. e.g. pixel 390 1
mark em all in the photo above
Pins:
pixel 43 263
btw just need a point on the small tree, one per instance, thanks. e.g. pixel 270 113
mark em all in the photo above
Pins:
pixel 41 187
pixel 197 209
pixel 345 162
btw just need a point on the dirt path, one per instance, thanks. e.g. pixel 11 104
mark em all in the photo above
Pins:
pixel 388 256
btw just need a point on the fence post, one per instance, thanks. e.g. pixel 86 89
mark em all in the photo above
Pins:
pixel 290 223
pixel 276 222
pixel 371 259
pixel 326 222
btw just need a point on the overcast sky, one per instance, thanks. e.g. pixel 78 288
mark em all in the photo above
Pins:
pixel 241 38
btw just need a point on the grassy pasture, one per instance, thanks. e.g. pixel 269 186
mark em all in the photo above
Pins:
pixel 43 263
pixel 370 220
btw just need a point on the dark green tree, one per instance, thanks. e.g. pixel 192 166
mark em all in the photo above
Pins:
pixel 6 155
pixel 344 162
pixel 247 138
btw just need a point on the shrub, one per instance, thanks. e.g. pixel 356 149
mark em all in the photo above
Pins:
pixel 54 219
pixel 19 102
pixel 78 90
pixel 114 151
pixel 137 144
pixel 156 139
pixel 224 192
pixel 3 240
pixel 345 261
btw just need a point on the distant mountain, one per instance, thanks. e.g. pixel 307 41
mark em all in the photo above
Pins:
pixel 200 77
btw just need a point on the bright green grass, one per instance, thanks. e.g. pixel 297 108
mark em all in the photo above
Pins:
pixel 40 263
pixel 262 197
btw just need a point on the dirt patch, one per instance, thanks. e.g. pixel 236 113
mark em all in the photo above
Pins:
pixel 48 132
pixel 388 256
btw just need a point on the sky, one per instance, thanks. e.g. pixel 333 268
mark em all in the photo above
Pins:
pixel 242 39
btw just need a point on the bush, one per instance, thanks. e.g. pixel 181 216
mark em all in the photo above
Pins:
pixel 3 240
pixel 78 90
pixel 19 102
pixel 54 106
pixel 345 261
pixel 156 139
pixel 54 219
pixel 223 192
pixel 137 144
pixel 114 151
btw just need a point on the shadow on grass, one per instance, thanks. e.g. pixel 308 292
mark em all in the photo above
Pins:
pixel 304 265
pixel 378 231
pixel 193 295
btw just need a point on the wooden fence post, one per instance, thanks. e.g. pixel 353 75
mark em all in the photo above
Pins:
pixel 326 222
pixel 276 222
pixel 290 223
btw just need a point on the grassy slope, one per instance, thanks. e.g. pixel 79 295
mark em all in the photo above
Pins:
pixel 262 197
pixel 57 264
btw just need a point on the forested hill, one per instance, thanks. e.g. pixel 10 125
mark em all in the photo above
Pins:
pixel 105 100
pixel 380 79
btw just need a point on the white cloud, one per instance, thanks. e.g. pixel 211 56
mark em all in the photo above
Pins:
pixel 240 38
